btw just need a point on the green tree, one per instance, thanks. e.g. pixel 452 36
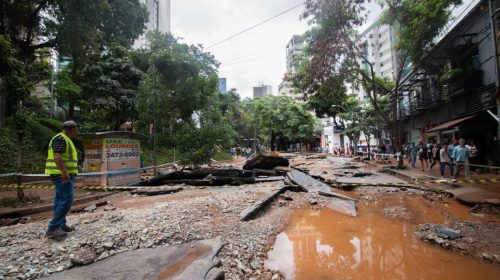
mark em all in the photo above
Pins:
pixel 14 82
pixel 78 30
pixel 334 51
pixel 68 92
pixel 179 92
pixel 111 85
pixel 280 116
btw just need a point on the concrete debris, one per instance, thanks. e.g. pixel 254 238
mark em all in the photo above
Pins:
pixel 109 208
pixel 102 234
pixel 83 257
pixel 486 209
pixel 156 191
pixel 90 208
pixel 448 233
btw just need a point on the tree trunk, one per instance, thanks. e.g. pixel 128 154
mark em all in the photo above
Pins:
pixel 396 133
pixel 71 111
pixel 368 145
pixel 273 136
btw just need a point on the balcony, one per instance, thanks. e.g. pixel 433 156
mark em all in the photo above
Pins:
pixel 416 106
pixel 432 97
pixel 460 83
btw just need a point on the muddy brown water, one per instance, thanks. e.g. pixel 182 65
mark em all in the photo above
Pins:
pixel 322 244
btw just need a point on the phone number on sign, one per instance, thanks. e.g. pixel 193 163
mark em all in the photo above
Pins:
pixel 121 154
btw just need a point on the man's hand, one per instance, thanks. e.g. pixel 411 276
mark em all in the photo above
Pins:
pixel 65 177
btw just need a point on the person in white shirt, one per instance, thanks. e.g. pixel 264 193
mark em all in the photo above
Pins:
pixel 445 160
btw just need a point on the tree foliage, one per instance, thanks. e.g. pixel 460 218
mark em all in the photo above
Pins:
pixel 14 83
pixel 110 85
pixel 334 50
pixel 280 116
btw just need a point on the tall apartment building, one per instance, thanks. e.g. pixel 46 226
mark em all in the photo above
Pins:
pixel 377 43
pixel 159 16
pixel 294 50
pixel 222 86
pixel 262 90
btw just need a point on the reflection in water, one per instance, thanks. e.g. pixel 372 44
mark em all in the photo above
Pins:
pixel 322 244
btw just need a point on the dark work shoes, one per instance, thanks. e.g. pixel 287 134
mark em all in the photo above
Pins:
pixel 67 228
pixel 56 234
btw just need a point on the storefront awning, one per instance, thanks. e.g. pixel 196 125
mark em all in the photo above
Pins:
pixel 449 124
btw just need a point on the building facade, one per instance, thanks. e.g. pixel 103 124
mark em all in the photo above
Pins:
pixel 159 18
pixel 262 91
pixel 222 86
pixel 294 50
pixel 377 43
pixel 453 94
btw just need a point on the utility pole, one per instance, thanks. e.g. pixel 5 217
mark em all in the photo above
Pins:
pixel 154 96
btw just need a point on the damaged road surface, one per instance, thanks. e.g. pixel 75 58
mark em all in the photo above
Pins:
pixel 187 261
pixel 261 230
pixel 338 202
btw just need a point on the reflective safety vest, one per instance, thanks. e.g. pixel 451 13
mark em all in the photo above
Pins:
pixel 69 158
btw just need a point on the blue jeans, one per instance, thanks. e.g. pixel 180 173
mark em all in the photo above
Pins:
pixel 62 201
pixel 442 166
pixel 413 158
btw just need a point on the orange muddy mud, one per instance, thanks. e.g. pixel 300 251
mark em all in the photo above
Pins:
pixel 322 244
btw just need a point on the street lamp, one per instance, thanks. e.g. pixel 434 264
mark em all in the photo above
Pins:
pixel 339 106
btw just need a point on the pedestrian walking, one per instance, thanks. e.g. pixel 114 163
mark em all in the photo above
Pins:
pixel 238 151
pixel 248 152
pixel 445 160
pixel 412 151
pixel 435 154
pixel 430 148
pixel 461 159
pixel 423 155
pixel 473 154
pixel 62 166
pixel 451 147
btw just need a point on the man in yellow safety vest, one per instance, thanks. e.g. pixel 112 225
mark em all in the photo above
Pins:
pixel 62 166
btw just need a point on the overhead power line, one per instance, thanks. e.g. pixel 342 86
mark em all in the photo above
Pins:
pixel 254 26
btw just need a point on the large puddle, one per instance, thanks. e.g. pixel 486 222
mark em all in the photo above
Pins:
pixel 322 244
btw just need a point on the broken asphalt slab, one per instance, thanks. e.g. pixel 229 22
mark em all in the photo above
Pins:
pixel 252 211
pixel 307 182
pixel 374 179
pixel 187 261
pixel 340 203
pixel 156 191
pixel 347 207
pixel 310 184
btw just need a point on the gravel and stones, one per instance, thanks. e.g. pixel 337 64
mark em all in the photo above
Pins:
pixel 28 254
pixel 477 239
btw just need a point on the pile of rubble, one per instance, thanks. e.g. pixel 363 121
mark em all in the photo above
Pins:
pixel 469 238
pixel 29 255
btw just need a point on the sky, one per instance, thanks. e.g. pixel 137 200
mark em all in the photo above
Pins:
pixel 255 57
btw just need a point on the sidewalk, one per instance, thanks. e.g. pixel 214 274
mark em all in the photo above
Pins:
pixel 471 193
